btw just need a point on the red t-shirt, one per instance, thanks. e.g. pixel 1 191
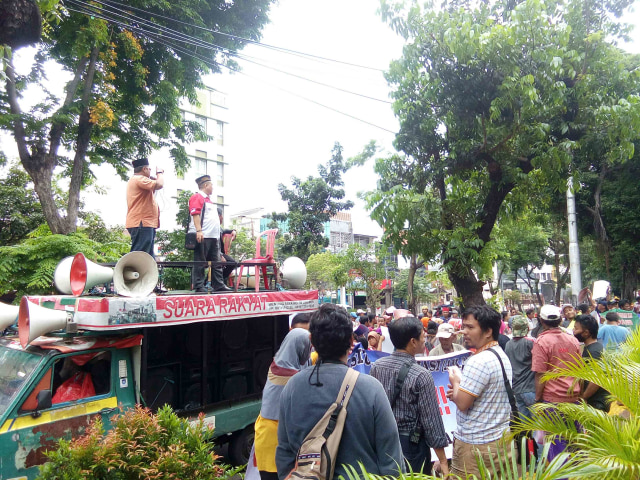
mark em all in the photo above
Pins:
pixel 555 348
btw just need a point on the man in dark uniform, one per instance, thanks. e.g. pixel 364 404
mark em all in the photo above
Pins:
pixel 224 255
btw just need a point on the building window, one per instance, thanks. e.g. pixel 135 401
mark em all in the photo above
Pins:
pixel 219 99
pixel 220 200
pixel 202 121
pixel 220 174
pixel 220 132
pixel 201 166
pixel 201 154
pixel 220 158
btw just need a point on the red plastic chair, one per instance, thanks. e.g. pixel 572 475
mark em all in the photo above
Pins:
pixel 267 259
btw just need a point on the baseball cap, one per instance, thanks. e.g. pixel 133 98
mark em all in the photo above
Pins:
pixel 390 310
pixel 565 306
pixel 520 326
pixel 612 302
pixel 550 313
pixel 353 315
pixel 359 311
pixel 445 331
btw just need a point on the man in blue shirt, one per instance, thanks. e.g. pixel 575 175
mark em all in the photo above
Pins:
pixel 611 334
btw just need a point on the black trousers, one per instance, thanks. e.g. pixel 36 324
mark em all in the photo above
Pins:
pixel 416 455
pixel 227 269
pixel 207 251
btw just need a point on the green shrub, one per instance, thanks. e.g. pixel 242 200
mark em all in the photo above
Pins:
pixel 140 445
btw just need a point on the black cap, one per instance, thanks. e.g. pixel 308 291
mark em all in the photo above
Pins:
pixel 140 162
pixel 202 180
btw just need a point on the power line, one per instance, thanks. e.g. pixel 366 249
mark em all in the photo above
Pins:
pixel 188 39
pixel 242 39
pixel 182 50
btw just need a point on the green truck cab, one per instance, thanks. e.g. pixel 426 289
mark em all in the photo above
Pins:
pixel 213 361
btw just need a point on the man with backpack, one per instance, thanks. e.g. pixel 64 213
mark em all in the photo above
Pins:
pixel 412 394
pixel 364 427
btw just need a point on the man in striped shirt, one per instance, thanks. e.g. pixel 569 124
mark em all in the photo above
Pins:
pixel 413 401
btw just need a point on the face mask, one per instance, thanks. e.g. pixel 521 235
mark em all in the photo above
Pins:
pixel 578 337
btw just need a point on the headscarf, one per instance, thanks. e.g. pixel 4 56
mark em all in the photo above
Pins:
pixel 375 335
pixel 290 358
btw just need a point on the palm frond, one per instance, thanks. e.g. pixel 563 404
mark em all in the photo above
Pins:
pixel 607 441
pixel 616 374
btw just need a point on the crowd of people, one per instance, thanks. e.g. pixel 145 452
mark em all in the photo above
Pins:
pixel 393 418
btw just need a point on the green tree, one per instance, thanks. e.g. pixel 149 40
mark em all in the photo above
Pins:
pixel 20 211
pixel 421 288
pixel 311 203
pixel 490 94
pixel 322 271
pixel 369 272
pixel 123 97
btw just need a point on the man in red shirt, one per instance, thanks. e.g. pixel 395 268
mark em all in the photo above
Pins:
pixel 554 349
pixel 143 215
pixel 206 223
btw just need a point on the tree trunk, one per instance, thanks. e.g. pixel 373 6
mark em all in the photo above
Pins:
pixel 469 288
pixel 411 300
pixel 39 162
pixel 629 280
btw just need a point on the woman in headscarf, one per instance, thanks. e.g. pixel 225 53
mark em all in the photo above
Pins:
pixel 375 341
pixel 289 360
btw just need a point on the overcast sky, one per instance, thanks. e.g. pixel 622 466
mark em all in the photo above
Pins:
pixel 273 135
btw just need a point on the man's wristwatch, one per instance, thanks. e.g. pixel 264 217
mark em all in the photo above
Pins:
pixel 161 171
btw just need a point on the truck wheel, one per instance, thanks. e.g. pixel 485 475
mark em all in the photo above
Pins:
pixel 240 446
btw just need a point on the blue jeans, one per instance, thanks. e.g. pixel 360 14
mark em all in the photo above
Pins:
pixel 524 401
pixel 142 239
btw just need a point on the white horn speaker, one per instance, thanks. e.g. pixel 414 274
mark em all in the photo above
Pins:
pixel 135 275
pixel 34 320
pixel 62 276
pixel 294 272
pixel 8 315
pixel 86 274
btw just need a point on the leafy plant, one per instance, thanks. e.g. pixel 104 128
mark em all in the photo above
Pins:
pixel 27 268
pixel 140 445
pixel 606 441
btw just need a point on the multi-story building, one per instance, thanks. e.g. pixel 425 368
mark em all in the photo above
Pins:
pixel 207 158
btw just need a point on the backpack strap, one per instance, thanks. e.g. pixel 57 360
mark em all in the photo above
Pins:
pixel 344 394
pixel 402 375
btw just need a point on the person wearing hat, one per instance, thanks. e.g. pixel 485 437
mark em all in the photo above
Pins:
pixel 554 349
pixel 143 214
pixel 518 349
pixel 447 335
pixel 206 223
pixel 569 314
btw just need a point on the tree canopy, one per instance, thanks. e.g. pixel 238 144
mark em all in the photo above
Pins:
pixel 127 74
pixel 311 203
pixel 494 96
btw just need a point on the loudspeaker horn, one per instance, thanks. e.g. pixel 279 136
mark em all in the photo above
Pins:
pixel 135 275
pixel 294 272
pixel 34 321
pixel 86 274
pixel 8 315
pixel 62 276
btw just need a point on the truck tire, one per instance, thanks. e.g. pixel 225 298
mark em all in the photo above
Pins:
pixel 240 446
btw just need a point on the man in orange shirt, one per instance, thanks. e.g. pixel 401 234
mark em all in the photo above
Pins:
pixel 143 215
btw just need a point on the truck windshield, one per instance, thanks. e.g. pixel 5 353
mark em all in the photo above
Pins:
pixel 16 367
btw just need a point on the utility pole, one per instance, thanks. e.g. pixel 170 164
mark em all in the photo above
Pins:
pixel 574 249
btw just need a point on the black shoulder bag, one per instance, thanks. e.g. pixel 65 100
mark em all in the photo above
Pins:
pixel 512 400
pixel 190 239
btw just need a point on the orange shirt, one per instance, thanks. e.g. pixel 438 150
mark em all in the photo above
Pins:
pixel 141 203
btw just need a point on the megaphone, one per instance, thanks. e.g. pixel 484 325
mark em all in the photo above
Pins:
pixel 86 274
pixel 8 315
pixel 62 276
pixel 294 272
pixel 135 275
pixel 34 320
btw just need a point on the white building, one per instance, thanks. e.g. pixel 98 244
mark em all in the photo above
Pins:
pixel 207 158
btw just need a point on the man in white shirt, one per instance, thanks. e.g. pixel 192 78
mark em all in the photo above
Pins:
pixel 480 394
pixel 206 223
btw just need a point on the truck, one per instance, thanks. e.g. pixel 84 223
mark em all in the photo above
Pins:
pixel 206 354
